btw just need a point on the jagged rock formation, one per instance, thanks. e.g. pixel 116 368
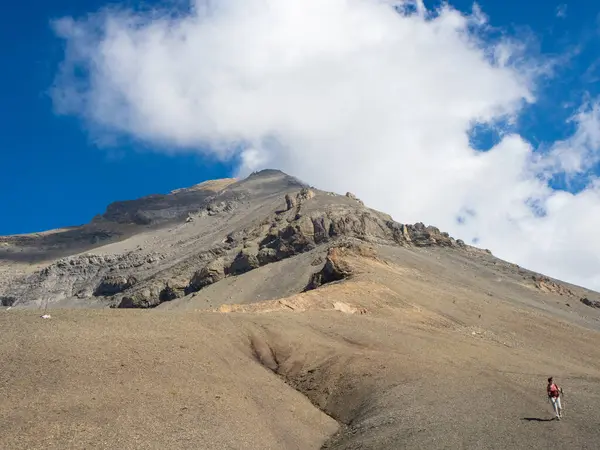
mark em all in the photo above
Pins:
pixel 545 284
pixel 335 267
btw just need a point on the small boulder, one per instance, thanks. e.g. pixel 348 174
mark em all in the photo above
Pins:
pixel 354 197
pixel 144 298
pixel 267 255
pixel 172 290
pixel 114 284
pixel 208 275
pixel 317 261
pixel 245 261
pixel 8 301
pixel 305 194
pixel 290 202
pixel 591 303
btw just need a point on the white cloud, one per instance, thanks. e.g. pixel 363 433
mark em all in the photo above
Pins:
pixel 561 11
pixel 581 151
pixel 347 95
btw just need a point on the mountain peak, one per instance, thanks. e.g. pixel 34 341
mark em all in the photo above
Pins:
pixel 216 185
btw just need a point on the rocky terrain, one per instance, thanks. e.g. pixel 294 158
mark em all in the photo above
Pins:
pixel 266 313
pixel 160 248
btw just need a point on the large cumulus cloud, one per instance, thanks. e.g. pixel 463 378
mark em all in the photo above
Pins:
pixel 377 97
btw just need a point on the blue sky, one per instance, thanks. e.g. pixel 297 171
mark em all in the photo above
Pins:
pixel 54 175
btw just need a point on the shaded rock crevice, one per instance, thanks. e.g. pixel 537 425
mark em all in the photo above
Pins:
pixel 114 284
pixel 8 301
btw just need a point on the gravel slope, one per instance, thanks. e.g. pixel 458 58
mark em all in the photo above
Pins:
pixel 423 365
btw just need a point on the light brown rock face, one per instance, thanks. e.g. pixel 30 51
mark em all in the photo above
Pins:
pixel 545 284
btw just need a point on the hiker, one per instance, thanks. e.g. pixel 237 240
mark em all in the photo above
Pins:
pixel 554 392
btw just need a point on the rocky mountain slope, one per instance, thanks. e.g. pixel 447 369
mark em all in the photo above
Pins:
pixel 277 315
pixel 144 252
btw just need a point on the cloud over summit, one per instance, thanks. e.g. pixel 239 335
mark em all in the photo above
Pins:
pixel 347 95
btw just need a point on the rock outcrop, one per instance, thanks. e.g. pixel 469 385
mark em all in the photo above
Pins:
pixel 195 237
pixel 545 284
pixel 354 197
pixel 172 282
pixel 423 236
pixel 157 209
pixel 81 276
pixel 304 225
pixel 114 284
pixel 211 273
pixel 245 261
pixel 175 288
pixel 337 267
pixel 591 303
pixel 290 202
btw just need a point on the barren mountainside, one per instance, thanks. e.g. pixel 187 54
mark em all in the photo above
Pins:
pixel 266 313
pixel 145 252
